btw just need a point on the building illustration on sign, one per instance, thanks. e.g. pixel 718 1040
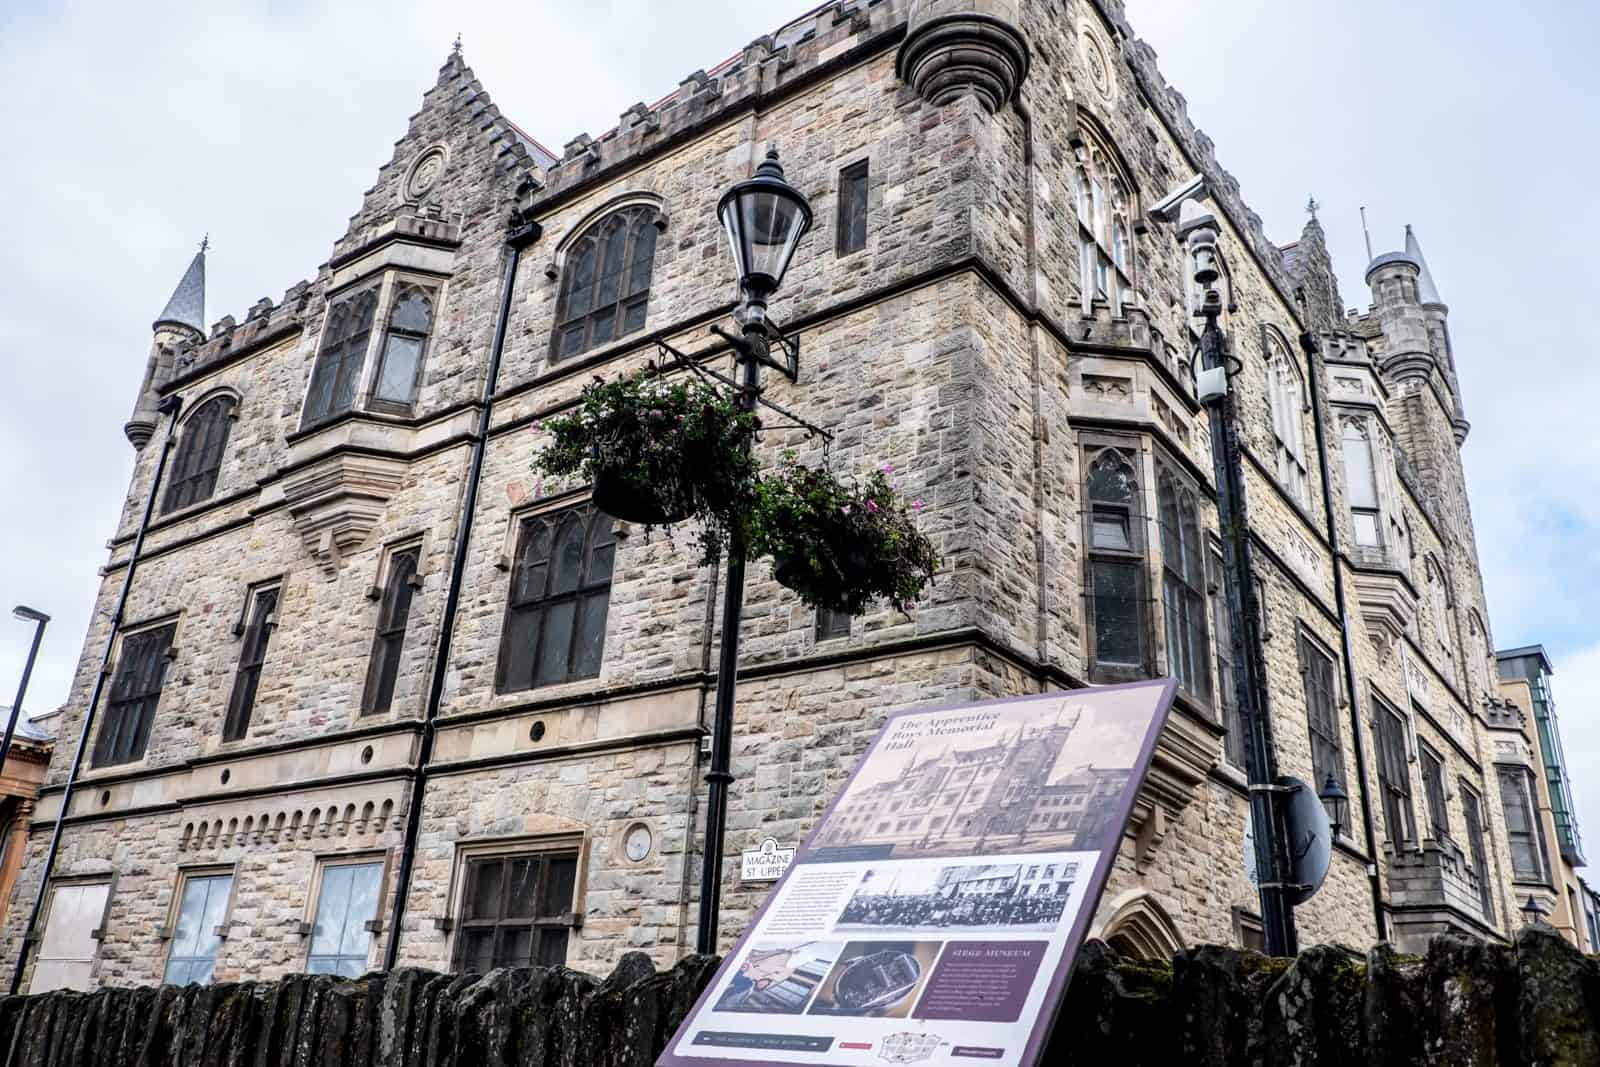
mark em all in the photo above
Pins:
pixel 1025 791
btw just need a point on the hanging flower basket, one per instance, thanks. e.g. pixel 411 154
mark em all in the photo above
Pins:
pixel 839 544
pixel 658 452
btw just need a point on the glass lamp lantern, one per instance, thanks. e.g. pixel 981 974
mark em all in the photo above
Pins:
pixel 764 217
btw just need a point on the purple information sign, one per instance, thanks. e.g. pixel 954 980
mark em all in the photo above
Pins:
pixel 934 913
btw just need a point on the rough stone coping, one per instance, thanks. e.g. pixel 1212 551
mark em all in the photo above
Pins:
pixel 1464 1002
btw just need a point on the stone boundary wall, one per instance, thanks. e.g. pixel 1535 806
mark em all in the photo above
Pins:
pixel 1464 1003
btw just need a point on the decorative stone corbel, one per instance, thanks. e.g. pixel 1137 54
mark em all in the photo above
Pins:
pixel 956 48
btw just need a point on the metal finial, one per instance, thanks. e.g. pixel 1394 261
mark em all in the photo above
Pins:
pixel 1311 207
pixel 455 49
pixel 205 241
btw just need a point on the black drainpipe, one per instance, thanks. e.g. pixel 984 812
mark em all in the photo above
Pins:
pixel 522 235
pixel 169 406
pixel 1308 345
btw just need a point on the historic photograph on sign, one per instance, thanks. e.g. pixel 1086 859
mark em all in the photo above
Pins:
pixel 778 978
pixel 1015 897
pixel 876 978
pixel 981 788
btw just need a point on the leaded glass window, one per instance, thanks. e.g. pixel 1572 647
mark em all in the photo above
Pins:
pixel 605 283
pixel 199 457
pixel 348 901
pixel 252 657
pixel 410 320
pixel 337 373
pixel 1103 202
pixel 195 940
pixel 516 911
pixel 125 730
pixel 393 616
pixel 1114 533
pixel 1183 583
pixel 560 591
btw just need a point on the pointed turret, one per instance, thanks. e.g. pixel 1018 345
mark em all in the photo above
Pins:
pixel 181 322
pixel 1311 266
pixel 1427 292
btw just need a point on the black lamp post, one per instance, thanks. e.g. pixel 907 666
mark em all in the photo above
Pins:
pixel 1532 912
pixel 1336 800
pixel 765 217
pixel 1267 816
pixel 39 619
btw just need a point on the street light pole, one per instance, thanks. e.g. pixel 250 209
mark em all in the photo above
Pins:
pixel 765 218
pixel 1267 814
pixel 39 619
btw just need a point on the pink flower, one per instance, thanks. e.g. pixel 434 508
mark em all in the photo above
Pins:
pixel 872 505
pixel 844 509
pixel 916 505
pixel 887 468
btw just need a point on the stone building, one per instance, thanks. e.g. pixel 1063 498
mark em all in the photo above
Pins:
pixel 20 778
pixel 996 299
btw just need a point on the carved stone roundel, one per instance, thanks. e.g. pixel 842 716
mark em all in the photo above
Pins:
pixel 1094 57
pixel 425 173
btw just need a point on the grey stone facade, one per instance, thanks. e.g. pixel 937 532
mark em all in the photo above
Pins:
pixel 958 345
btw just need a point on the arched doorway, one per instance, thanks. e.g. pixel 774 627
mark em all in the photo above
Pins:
pixel 1140 928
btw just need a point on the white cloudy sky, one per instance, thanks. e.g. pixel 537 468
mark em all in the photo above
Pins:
pixel 131 129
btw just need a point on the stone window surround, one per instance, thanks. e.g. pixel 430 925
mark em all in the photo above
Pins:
pixel 464 851
pixel 1112 249
pixel 1307 644
pixel 1137 449
pixel 106 878
pixel 102 718
pixel 248 617
pixel 168 510
pixel 169 928
pixel 856 170
pixel 388 277
pixel 322 861
pixel 1190 495
pixel 556 268
pixel 377 592
pixel 1288 403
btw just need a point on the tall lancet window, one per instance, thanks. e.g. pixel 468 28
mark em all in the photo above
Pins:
pixel 200 447
pixel 1361 485
pixel 394 385
pixel 1103 201
pixel 1286 400
pixel 1115 582
pixel 337 373
pixel 605 282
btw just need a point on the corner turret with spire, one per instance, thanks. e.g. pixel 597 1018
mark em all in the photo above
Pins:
pixel 1412 316
pixel 181 322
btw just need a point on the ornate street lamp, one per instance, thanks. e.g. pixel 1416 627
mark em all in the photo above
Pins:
pixel 1533 911
pixel 765 217
pixel 1336 800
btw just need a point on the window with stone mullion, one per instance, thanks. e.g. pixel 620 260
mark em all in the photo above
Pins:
pixel 1288 427
pixel 135 693
pixel 410 321
pixel 1472 815
pixel 1101 200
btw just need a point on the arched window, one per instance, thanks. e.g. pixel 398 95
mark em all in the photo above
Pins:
pixel 605 284
pixel 410 319
pixel 1286 399
pixel 1103 198
pixel 560 590
pixel 200 448
pixel 1183 584
pixel 337 374
pixel 1115 583
pixel 393 616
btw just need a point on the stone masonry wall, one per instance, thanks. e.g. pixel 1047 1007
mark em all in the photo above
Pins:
pixel 1464 1003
